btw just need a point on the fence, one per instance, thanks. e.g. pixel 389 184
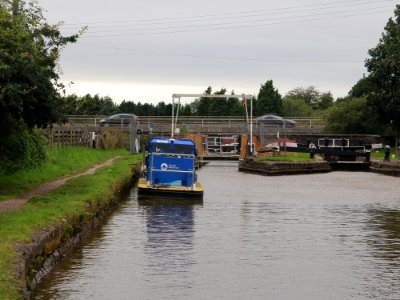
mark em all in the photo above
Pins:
pixel 60 136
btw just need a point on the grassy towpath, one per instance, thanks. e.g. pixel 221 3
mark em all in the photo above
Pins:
pixel 13 204
pixel 60 162
pixel 65 207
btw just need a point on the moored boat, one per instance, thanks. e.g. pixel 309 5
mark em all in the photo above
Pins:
pixel 169 170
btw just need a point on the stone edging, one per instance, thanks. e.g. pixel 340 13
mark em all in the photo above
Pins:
pixel 283 167
pixel 287 168
pixel 386 168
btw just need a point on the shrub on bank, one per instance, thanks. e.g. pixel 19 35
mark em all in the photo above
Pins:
pixel 21 148
pixel 111 138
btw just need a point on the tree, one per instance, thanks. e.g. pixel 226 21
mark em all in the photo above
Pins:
pixel 293 107
pixel 312 97
pixel 209 106
pixel 95 105
pixel 203 104
pixel 325 100
pixel 69 104
pixel 351 116
pixel 362 88
pixel 127 107
pixel 29 87
pixel 269 100
pixel 163 109
pixel 384 73
pixel 30 49
pixel 186 110
pixel 235 107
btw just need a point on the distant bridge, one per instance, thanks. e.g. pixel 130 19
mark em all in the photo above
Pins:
pixel 203 125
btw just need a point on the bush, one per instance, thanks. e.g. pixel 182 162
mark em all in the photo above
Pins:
pixel 21 148
pixel 111 139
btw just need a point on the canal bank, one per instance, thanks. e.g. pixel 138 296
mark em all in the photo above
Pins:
pixel 386 168
pixel 294 167
pixel 49 226
pixel 283 167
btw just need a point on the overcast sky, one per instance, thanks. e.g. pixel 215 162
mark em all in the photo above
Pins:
pixel 147 50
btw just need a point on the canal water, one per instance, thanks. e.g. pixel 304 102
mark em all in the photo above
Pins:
pixel 319 236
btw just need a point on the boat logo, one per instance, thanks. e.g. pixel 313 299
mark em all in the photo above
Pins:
pixel 164 167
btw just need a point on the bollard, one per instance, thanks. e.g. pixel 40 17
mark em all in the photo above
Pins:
pixel 94 137
pixel 312 150
pixel 398 153
pixel 387 153
pixel 368 156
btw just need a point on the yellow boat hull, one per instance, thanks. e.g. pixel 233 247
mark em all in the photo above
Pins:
pixel 170 191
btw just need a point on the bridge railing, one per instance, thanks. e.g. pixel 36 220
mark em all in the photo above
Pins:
pixel 314 124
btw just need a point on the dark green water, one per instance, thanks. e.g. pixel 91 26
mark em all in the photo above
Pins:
pixel 325 236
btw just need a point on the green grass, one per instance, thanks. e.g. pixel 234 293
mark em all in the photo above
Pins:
pixel 298 156
pixel 70 204
pixel 380 154
pixel 60 161
pixel 287 156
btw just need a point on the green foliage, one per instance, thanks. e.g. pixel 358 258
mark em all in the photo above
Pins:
pixel 380 154
pixel 186 110
pixel 269 101
pixel 29 88
pixel 351 116
pixel 361 89
pixel 294 107
pixel 206 106
pixel 312 97
pixel 96 105
pixel 163 109
pixel 202 107
pixel 384 73
pixel 21 148
pixel 88 105
pixel 146 109
pixel 30 49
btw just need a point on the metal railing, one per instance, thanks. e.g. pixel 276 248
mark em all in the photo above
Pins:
pixel 317 124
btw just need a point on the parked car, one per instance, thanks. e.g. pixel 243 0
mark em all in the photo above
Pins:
pixel 119 120
pixel 272 120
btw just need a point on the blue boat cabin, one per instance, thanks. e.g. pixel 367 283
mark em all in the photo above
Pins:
pixel 171 162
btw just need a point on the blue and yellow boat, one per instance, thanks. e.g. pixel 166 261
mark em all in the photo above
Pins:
pixel 170 170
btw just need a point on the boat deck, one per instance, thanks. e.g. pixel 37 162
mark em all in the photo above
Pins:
pixel 170 190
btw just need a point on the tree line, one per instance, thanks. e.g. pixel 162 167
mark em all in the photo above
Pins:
pixel 299 102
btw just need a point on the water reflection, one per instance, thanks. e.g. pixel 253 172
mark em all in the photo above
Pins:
pixel 170 234
pixel 383 240
pixel 384 228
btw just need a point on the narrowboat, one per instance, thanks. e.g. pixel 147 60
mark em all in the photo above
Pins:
pixel 169 170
